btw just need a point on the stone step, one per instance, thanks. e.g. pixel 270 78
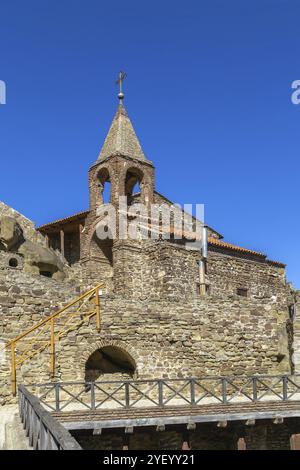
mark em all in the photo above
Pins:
pixel 15 437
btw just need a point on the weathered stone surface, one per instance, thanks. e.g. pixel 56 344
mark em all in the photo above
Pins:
pixel 11 234
pixel 30 254
pixel 40 259
pixel 28 227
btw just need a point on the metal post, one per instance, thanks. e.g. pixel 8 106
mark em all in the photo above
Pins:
pixel 98 310
pixel 202 277
pixel 52 348
pixel 13 370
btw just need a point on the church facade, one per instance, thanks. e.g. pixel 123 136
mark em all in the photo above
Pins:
pixel 168 309
pixel 239 321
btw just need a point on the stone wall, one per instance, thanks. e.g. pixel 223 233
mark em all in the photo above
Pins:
pixel 208 336
pixel 263 280
pixel 170 272
pixel 152 310
pixel 207 436
pixel 25 300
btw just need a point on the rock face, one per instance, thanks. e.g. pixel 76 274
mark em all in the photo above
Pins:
pixel 28 227
pixel 11 234
pixel 18 235
pixel 39 259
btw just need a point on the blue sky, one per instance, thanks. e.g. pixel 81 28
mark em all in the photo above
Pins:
pixel 208 91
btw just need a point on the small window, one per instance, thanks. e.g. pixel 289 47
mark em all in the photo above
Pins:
pixel 242 292
pixel 46 273
pixel 13 263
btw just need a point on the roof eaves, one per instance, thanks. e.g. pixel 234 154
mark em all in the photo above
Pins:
pixel 65 219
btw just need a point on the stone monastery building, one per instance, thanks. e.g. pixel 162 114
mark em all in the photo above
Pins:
pixel 168 310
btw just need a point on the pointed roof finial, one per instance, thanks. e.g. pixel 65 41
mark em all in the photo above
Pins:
pixel 119 82
pixel 121 137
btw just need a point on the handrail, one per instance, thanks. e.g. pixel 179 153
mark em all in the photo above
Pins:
pixel 44 431
pixel 192 391
pixel 55 314
pixel 192 377
pixel 50 320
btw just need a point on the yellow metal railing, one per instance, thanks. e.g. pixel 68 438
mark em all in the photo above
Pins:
pixel 49 331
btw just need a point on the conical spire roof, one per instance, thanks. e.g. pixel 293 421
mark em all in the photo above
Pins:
pixel 121 138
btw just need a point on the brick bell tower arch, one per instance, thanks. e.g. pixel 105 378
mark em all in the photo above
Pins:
pixel 122 165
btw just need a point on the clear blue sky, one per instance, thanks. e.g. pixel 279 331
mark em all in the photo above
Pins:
pixel 208 91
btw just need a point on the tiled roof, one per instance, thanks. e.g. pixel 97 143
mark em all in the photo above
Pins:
pixel 71 218
pixel 216 242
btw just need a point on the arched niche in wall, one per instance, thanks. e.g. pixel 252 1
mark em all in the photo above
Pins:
pixel 109 362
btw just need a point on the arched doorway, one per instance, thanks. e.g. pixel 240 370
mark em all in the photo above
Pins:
pixel 111 363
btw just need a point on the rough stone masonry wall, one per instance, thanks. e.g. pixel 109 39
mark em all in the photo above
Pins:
pixel 262 279
pixel 207 436
pixel 170 271
pixel 210 336
pixel 155 314
pixel 24 301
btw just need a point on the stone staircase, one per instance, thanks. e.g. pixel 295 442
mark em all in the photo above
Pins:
pixel 12 434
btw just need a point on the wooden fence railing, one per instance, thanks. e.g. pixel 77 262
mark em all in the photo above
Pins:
pixel 65 396
pixel 43 431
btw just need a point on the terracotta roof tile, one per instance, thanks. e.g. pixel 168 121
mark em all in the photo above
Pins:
pixel 230 246
pixel 66 219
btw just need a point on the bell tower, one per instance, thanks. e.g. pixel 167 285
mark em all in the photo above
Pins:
pixel 122 166
pixel 121 163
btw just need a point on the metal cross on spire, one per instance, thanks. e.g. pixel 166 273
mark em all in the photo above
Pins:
pixel 122 76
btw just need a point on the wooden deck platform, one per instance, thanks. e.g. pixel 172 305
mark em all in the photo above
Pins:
pixel 109 418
